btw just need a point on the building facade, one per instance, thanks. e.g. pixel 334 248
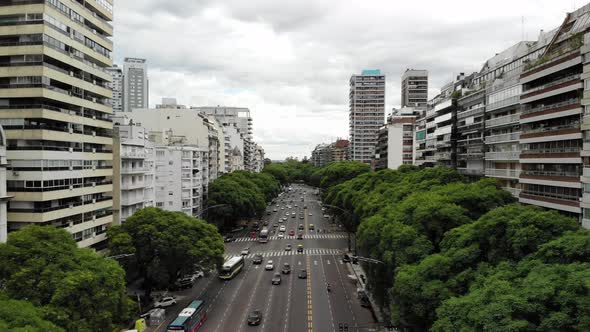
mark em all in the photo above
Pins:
pixel 116 85
pixel 415 88
pixel 339 150
pixel 135 84
pixel 3 194
pixel 134 169
pixel 367 113
pixel 55 108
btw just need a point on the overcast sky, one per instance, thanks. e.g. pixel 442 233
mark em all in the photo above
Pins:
pixel 289 62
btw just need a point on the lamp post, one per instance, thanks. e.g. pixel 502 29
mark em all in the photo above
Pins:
pixel 347 230
pixel 209 207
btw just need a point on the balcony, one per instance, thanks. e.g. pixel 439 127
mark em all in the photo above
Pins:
pixel 552 201
pixel 132 186
pixel 551 108
pixel 133 170
pixel 571 128
pixel 470 171
pixel 510 155
pixel 514 191
pixel 133 154
pixel 503 120
pixel 553 88
pixel 564 175
pixel 503 173
pixel 127 200
pixel 502 138
pixel 470 155
pixel 442 156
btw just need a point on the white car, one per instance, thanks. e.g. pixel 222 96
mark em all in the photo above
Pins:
pixel 269 266
pixel 282 228
pixel 286 213
pixel 323 209
pixel 310 214
pixel 165 302
pixel 246 251
pixel 281 235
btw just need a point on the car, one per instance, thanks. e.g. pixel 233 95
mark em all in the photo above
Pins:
pixel 245 251
pixel 301 217
pixel 323 209
pixel 299 236
pixel 286 268
pixel 183 283
pixel 265 223
pixel 282 228
pixel 311 227
pixel 276 279
pixel 295 205
pixel 300 248
pixel 282 208
pixel 268 213
pixel 326 216
pixel 291 232
pixel 228 239
pixel 165 302
pixel 269 265
pixel 293 215
pixel 302 274
pixel 255 317
pixel 286 213
pixel 346 258
pixel 300 227
pixel 276 224
pixel 281 235
pixel 257 259
pixel 310 214
pixel 288 247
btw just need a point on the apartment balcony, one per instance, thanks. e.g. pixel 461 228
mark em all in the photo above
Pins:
pixel 553 88
pixel 551 201
pixel 514 191
pixel 510 155
pixel 539 68
pixel 473 127
pixel 131 199
pixel 567 129
pixel 515 100
pixel 557 155
pixel 470 141
pixel 133 154
pixel 503 138
pixel 556 178
pixel 503 120
pixel 132 185
pixel 470 171
pixel 133 170
pixel 470 156
pixel 442 156
pixel 563 108
pixel 506 173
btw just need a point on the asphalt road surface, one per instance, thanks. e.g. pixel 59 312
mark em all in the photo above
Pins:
pixel 296 304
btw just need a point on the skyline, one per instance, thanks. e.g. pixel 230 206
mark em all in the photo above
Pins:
pixel 298 93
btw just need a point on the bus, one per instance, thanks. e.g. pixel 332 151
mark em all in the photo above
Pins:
pixel 190 318
pixel 263 236
pixel 231 267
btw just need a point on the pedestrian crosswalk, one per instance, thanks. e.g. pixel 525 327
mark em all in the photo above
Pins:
pixel 277 253
pixel 307 236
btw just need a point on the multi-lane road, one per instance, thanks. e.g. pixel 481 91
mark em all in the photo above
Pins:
pixel 296 304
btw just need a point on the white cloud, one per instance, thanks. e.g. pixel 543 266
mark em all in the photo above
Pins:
pixel 290 61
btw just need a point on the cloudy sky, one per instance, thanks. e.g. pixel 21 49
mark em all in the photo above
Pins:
pixel 289 61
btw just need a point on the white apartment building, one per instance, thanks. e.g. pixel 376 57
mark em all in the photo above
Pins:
pixel 133 168
pixel 367 113
pixel 135 84
pixel 3 195
pixel 117 86
pixel 55 109
pixel 180 178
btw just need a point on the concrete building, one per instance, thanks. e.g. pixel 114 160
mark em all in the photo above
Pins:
pixel 395 146
pixel 470 132
pixel 116 85
pixel 3 194
pixel 367 113
pixel 258 159
pixel 240 119
pixel 55 108
pixel 339 150
pixel 180 182
pixel 551 131
pixel 321 156
pixel 236 161
pixel 134 169
pixel 135 84
pixel 414 88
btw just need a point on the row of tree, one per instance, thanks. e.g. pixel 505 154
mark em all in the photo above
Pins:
pixel 240 195
pixel 462 256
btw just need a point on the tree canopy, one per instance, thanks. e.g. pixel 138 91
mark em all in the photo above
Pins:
pixel 22 316
pixel 165 245
pixel 76 289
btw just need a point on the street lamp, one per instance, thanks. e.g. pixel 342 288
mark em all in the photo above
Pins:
pixel 209 207
pixel 347 230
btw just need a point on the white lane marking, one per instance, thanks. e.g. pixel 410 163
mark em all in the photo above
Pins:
pixel 299 263
pixel 329 299
pixel 272 291
pixel 245 274
pixel 315 262
pixel 354 323
pixel 328 261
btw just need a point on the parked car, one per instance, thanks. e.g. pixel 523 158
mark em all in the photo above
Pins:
pixel 183 283
pixel 276 279
pixel 257 259
pixel 165 302
pixel 255 317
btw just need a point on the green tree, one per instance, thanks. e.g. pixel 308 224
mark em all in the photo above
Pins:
pixel 166 245
pixel 22 316
pixel 77 289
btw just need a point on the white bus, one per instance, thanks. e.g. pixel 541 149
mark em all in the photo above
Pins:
pixel 231 267
pixel 263 236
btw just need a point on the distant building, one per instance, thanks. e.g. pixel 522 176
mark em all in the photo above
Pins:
pixel 339 150
pixel 321 156
pixel 414 88
pixel 395 144
pixel 135 84
pixel 117 86
pixel 324 154
pixel 367 113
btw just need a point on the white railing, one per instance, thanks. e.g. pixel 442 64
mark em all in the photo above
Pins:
pixel 506 173
pixel 503 120
pixel 552 83
pixel 510 155
pixel 503 138
pixel 514 191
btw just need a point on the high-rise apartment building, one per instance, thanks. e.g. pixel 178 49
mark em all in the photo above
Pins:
pixel 135 84
pixel 54 106
pixel 395 145
pixel 414 88
pixel 116 85
pixel 367 113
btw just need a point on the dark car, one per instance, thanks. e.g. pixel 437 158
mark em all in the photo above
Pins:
pixel 302 274
pixel 255 317
pixel 286 268
pixel 346 258
pixel 299 236
pixel 183 283
pixel 276 279
pixel 228 239
pixel 257 259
